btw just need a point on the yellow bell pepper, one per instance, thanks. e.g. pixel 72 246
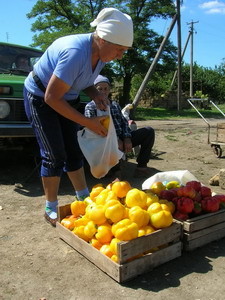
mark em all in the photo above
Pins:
pixel 161 219
pixel 95 243
pixel 88 201
pixel 114 211
pixel 90 229
pixel 136 197
pixel 96 213
pixel 126 213
pixel 114 258
pixel 160 216
pixel 105 196
pixel 146 230
pixel 104 234
pixel 168 204
pixel 79 231
pixel 139 216
pixel 154 208
pixel 78 208
pixel 102 196
pixel 81 221
pixel 113 245
pixel 151 198
pixel 125 230
pixel 68 222
pixel 120 188
pixel 95 192
pixel 105 249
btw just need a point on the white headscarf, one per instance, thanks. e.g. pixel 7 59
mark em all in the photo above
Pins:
pixel 114 26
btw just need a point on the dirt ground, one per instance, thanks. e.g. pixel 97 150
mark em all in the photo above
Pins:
pixel 36 263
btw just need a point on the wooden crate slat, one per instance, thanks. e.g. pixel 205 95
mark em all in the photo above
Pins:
pixel 201 241
pixel 64 211
pixel 200 233
pixel 119 272
pixel 92 254
pixel 148 262
pixel 137 246
pixel 127 270
pixel 203 221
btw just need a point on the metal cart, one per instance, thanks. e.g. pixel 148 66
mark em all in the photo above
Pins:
pixel 216 145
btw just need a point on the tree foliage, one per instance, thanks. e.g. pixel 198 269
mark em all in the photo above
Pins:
pixel 208 81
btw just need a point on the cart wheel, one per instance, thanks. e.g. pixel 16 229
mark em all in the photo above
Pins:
pixel 217 150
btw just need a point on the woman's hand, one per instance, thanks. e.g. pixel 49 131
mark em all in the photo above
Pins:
pixel 95 125
pixel 127 145
pixel 120 145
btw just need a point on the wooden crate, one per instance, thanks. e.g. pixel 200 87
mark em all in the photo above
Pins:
pixel 168 240
pixel 203 229
pixel 221 132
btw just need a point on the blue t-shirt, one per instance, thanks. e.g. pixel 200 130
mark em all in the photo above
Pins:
pixel 69 58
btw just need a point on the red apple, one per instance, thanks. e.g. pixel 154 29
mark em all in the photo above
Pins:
pixel 196 185
pixel 210 204
pixel 186 191
pixel 174 200
pixel 167 194
pixel 205 192
pixel 197 208
pixel 221 199
pixel 174 191
pixel 198 197
pixel 180 216
pixel 185 205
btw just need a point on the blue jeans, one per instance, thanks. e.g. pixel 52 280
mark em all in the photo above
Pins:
pixel 56 137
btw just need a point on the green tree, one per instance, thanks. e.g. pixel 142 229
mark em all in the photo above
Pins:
pixel 209 81
pixel 55 18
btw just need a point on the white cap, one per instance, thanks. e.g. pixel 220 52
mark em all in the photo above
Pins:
pixel 101 78
pixel 114 26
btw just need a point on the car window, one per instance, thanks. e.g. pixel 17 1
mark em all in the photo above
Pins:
pixel 15 58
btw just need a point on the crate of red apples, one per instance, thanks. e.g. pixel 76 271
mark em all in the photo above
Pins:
pixel 196 207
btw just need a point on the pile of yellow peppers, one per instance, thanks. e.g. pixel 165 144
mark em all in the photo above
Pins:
pixel 117 213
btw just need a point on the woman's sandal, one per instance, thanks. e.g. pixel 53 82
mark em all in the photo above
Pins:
pixel 50 220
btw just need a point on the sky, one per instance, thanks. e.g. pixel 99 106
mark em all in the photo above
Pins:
pixel 208 38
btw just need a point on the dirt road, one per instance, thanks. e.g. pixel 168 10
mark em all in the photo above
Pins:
pixel 35 263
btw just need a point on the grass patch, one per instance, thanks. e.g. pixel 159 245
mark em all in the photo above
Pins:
pixel 162 113
pixel 171 138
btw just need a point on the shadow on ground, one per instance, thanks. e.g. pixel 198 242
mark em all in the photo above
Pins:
pixel 169 274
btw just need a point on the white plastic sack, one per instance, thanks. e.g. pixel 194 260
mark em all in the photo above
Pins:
pixel 126 111
pixel 102 153
pixel 182 176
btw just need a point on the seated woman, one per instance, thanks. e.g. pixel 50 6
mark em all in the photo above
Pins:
pixel 127 139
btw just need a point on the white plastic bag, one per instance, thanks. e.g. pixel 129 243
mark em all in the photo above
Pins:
pixel 126 111
pixel 182 176
pixel 102 153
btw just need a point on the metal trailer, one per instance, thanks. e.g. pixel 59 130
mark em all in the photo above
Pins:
pixel 220 141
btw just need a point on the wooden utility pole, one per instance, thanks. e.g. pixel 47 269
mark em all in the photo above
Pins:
pixel 153 65
pixel 179 78
pixel 176 19
pixel 182 55
pixel 191 56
